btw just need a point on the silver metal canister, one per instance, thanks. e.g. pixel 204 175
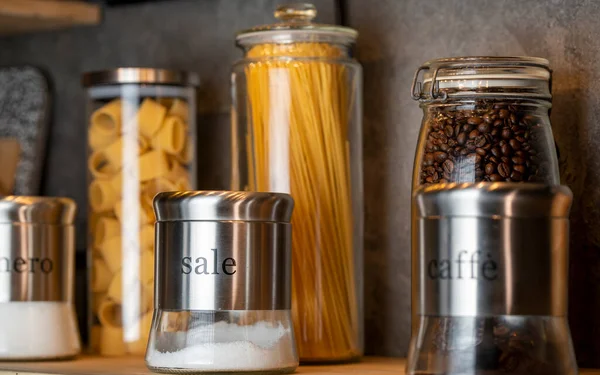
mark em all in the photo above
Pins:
pixel 493 262
pixel 37 250
pixel 223 283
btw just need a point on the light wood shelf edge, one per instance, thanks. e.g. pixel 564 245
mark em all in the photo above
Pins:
pixel 23 16
pixel 93 365
pixel 90 365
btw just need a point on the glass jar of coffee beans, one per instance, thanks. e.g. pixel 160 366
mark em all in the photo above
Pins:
pixel 485 120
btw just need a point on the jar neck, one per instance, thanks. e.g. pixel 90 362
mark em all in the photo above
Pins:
pixel 312 50
pixel 537 105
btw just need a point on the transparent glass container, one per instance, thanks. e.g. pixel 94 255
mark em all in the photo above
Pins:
pixel 242 341
pixel 296 125
pixel 485 119
pixel 141 141
pixel 528 345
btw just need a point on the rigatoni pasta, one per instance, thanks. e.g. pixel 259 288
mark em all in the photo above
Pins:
pixel 135 153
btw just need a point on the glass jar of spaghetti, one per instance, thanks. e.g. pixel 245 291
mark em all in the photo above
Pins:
pixel 141 140
pixel 297 129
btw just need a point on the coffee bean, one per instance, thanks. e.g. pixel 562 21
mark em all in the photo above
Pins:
pixel 490 169
pixel 495 178
pixel 428 159
pixel 474 134
pixel 517 160
pixel 516 176
pixel 503 170
pixel 487 118
pixel 440 156
pixel 493 159
pixel 519 168
pixel 503 113
pixel 480 151
pixel 480 141
pixel 461 139
pixel 448 130
pixel 496 151
pixel 506 133
pixel 474 120
pixel 514 144
pixel 484 127
pixel 506 150
pixel 448 166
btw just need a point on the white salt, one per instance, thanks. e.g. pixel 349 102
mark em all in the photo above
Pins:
pixel 230 347
pixel 38 330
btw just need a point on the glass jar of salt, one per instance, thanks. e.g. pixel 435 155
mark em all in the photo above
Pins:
pixel 223 284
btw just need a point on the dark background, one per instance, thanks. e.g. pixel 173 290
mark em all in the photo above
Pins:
pixel 396 36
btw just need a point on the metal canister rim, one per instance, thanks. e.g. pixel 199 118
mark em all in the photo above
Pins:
pixel 498 199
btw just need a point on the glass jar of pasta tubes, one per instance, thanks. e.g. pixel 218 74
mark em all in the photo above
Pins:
pixel 297 129
pixel 141 140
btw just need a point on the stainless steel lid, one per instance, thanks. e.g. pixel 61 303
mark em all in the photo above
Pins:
pixel 494 200
pixel 296 26
pixel 37 210
pixel 140 75
pixel 481 76
pixel 223 206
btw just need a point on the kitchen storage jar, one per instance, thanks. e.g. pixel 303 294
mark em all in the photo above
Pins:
pixel 493 264
pixel 141 140
pixel 485 119
pixel 223 284
pixel 297 100
pixel 37 260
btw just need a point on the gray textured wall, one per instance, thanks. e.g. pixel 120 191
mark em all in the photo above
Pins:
pixel 193 35
pixel 396 36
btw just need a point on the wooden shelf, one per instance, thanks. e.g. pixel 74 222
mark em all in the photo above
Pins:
pixel 23 16
pixel 136 366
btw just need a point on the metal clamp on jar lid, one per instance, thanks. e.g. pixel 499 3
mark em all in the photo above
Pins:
pixel 223 283
pixel 492 273
pixel 37 249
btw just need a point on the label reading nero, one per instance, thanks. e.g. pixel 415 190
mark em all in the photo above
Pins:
pixel 474 265
pixel 24 265
pixel 208 265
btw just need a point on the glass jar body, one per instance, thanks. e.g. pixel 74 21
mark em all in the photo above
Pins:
pixel 141 141
pixel 486 140
pixel 297 128
pixel 234 341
